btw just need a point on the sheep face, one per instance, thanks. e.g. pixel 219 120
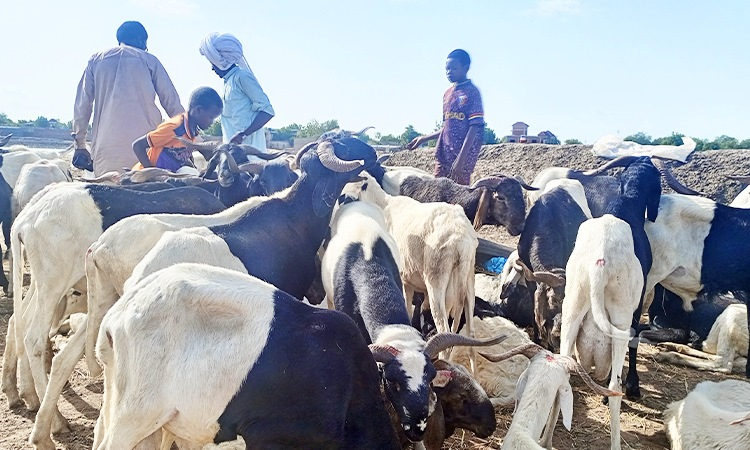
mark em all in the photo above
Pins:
pixel 507 206
pixel 406 382
pixel 548 314
pixel 464 402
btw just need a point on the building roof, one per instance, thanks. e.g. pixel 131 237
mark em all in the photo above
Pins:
pixel 521 123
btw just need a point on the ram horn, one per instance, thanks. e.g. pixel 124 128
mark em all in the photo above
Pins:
pixel 330 161
pixel 741 178
pixel 152 173
pixel 528 350
pixel 208 145
pixel 230 161
pixel 109 177
pixel 443 341
pixel 523 184
pixel 740 420
pixel 301 153
pixel 573 366
pixel 383 158
pixel 250 150
pixel 488 182
pixel 252 167
pixel 383 353
pixel 4 139
pixel 671 180
pixel 621 161
pixel 362 131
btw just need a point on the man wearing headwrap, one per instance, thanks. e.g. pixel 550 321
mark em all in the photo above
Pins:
pixel 246 107
pixel 120 85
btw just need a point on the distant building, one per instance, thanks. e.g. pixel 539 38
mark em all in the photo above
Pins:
pixel 520 134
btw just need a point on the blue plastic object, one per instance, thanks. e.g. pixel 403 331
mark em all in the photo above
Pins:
pixel 495 264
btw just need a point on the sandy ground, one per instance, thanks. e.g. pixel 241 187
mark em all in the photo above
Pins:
pixel 641 421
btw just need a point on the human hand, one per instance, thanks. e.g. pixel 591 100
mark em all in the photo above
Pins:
pixel 82 160
pixel 416 142
pixel 458 171
pixel 237 138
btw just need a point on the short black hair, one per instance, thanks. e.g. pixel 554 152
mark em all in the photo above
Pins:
pixel 131 32
pixel 461 56
pixel 206 97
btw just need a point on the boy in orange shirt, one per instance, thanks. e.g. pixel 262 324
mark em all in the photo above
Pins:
pixel 161 148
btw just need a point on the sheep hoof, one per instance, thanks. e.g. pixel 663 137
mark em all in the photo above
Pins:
pixel 633 392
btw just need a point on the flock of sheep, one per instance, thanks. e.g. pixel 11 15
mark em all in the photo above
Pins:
pixel 185 293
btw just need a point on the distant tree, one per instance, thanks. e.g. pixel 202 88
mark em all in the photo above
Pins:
pixel 25 123
pixel 41 122
pixel 389 139
pixel 639 137
pixel 489 136
pixel 5 121
pixel 505 139
pixel 699 144
pixel 711 145
pixel 315 128
pixel 726 142
pixel 674 139
pixel 744 144
pixel 572 142
pixel 287 133
pixel 409 134
pixel 214 129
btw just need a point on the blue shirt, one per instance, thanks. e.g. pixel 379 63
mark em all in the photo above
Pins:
pixel 243 100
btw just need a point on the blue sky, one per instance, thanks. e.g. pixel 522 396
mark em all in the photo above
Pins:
pixel 579 68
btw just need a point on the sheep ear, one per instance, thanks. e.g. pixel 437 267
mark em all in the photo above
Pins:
pixel 566 405
pixel 442 378
pixel 484 204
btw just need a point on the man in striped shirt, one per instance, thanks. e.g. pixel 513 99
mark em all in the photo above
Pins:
pixel 462 134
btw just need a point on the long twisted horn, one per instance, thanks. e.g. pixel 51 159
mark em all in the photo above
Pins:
pixel 208 145
pixel 671 180
pixel 362 131
pixel 523 184
pixel 622 161
pixel 488 182
pixel 549 278
pixel 250 150
pixel 442 341
pixel 383 353
pixel 572 365
pixel 109 177
pixel 4 139
pixel 252 167
pixel 330 161
pixel 230 161
pixel 741 178
pixel 153 173
pixel 528 350
pixel 301 152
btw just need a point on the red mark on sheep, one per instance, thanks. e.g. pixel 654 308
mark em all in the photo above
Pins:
pixel 600 262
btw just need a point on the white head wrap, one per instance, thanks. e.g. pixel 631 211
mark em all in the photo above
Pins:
pixel 223 50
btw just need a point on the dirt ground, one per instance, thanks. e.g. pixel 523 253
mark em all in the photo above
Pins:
pixel 641 421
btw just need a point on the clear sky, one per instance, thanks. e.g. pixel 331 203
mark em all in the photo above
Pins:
pixel 579 68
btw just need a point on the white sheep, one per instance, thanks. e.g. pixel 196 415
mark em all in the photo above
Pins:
pixel 543 390
pixel 34 177
pixel 712 417
pixel 438 249
pixel 725 346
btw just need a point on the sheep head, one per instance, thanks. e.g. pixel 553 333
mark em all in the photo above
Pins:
pixel 501 202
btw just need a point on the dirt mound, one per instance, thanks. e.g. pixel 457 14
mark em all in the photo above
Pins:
pixel 704 171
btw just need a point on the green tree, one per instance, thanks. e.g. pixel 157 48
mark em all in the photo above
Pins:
pixel 409 134
pixel 639 137
pixel 726 142
pixel 572 142
pixel 5 121
pixel 674 139
pixel 287 133
pixel 315 128
pixel 214 129
pixel 744 144
pixel 389 139
pixel 489 136
pixel 41 122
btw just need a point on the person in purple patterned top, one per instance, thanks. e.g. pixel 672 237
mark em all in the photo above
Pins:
pixel 460 138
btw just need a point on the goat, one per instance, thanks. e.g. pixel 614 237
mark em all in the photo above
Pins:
pixel 544 248
pixel 241 387
pixel 710 417
pixel 725 344
pixel 495 200
pixel 361 278
pixel 606 275
pixel 542 390
pixel 54 232
pixel 437 245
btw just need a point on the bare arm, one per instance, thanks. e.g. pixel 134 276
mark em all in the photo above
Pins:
pixel 416 142
pixel 168 96
pixel 140 148
pixel 260 120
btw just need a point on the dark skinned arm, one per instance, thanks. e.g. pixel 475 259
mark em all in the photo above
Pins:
pixel 260 120
pixel 416 142
pixel 140 148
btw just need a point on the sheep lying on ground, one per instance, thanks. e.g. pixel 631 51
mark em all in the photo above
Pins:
pixel 711 417
pixel 726 344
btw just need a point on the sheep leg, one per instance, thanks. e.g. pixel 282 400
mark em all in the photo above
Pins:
pixel 633 381
pixel 549 428
pixel 615 384
pixel 135 429
pixel 10 365
pixel 62 366
pixel 25 377
pixel 436 297
pixel 747 366
pixel 102 295
pixel 469 328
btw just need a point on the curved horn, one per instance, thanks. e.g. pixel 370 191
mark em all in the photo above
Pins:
pixel 251 167
pixel 573 366
pixel 383 158
pixel 208 145
pixel 152 173
pixel 549 278
pixel 739 421
pixel 301 152
pixel 211 167
pixel 109 177
pixel 528 350
pixel 523 184
pixel 4 139
pixel 362 131
pixel 621 161
pixel 442 341
pixel 383 353
pixel 330 161
pixel 671 180
pixel 741 178
pixel 250 150
pixel 488 182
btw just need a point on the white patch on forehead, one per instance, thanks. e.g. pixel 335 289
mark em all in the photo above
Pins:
pixel 411 346
pixel 413 363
